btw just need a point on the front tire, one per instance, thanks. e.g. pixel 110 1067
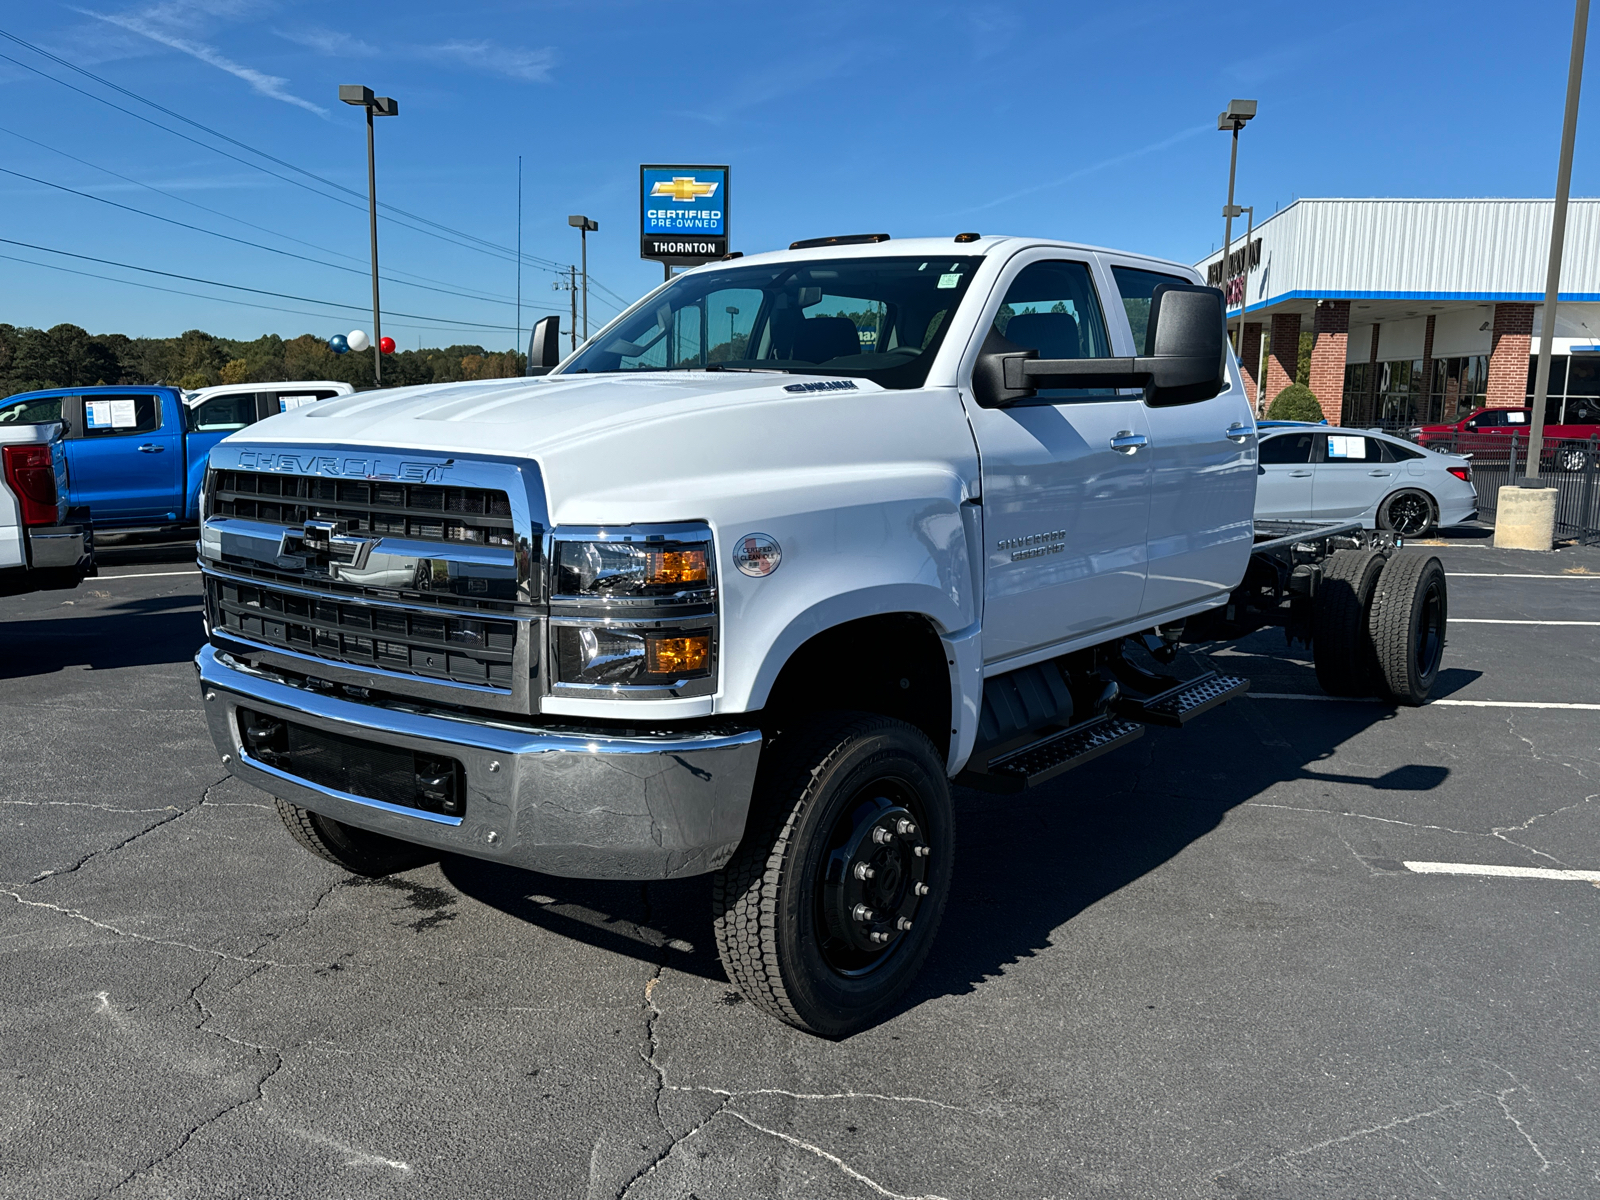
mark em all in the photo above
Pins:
pixel 358 851
pixel 829 907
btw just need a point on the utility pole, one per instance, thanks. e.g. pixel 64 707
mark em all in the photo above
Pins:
pixel 517 346
pixel 572 286
pixel 382 106
pixel 1232 119
pixel 1558 234
pixel 585 226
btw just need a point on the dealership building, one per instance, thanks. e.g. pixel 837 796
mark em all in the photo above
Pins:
pixel 1421 310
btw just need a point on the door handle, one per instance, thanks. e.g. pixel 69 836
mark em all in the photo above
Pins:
pixel 1238 433
pixel 1126 441
pixel 1299 474
pixel 151 448
pixel 1380 474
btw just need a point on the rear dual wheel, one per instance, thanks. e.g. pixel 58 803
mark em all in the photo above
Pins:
pixel 1378 625
pixel 829 907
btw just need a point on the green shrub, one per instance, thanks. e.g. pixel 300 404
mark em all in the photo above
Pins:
pixel 1296 402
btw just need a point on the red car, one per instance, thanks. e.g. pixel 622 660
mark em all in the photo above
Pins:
pixel 1568 444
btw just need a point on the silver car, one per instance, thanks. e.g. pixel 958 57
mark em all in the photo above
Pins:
pixel 1318 473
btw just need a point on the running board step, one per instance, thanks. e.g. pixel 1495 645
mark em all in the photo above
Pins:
pixel 1180 705
pixel 1051 756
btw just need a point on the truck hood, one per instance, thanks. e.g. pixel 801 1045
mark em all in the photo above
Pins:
pixel 653 446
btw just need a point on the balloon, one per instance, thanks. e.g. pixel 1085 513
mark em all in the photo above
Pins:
pixel 338 344
pixel 358 340
pixel 386 345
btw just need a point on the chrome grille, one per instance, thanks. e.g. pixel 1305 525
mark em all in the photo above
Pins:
pixel 453 649
pixel 429 512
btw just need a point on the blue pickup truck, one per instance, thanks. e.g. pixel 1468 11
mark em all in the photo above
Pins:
pixel 136 455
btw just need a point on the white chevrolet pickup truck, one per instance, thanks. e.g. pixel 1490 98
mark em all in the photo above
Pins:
pixel 747 581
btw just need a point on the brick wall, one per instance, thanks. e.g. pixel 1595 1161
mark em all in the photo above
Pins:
pixel 1331 325
pixel 1250 359
pixel 1508 360
pixel 1283 353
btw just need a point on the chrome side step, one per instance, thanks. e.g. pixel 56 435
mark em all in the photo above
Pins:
pixel 1052 755
pixel 1178 706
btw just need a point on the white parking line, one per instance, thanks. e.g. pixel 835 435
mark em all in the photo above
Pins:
pixel 1508 575
pixel 1499 621
pixel 1439 868
pixel 1455 703
pixel 150 575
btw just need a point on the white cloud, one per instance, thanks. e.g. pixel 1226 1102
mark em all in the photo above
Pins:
pixel 329 42
pixel 149 25
pixel 531 66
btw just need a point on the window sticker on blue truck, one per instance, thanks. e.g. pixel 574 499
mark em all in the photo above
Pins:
pixel 111 414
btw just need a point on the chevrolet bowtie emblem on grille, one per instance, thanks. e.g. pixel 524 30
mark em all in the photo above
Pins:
pixel 683 187
pixel 326 544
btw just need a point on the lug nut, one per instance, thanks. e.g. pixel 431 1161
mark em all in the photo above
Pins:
pixel 881 836
pixel 904 827
pixel 864 872
pixel 903 924
pixel 879 937
pixel 922 851
pixel 923 889
pixel 862 913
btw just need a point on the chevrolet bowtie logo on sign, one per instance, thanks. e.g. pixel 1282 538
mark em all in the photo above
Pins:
pixel 683 213
pixel 683 187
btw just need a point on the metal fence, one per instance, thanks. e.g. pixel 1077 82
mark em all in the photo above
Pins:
pixel 1568 465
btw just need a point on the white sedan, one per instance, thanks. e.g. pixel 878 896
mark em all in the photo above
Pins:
pixel 1317 473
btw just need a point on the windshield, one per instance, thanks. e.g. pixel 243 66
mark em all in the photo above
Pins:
pixel 877 318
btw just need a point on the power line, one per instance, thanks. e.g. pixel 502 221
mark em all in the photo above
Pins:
pixel 155 287
pixel 241 288
pixel 239 241
pixel 217 212
pixel 483 246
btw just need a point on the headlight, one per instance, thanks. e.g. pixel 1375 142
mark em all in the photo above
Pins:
pixel 633 612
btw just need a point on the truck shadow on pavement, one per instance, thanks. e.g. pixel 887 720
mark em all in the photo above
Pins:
pixel 102 636
pixel 1026 865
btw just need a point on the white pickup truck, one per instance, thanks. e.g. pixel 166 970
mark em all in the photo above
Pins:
pixel 43 543
pixel 745 583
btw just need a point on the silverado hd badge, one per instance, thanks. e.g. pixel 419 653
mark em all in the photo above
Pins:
pixel 757 554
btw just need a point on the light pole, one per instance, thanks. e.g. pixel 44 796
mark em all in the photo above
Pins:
pixel 584 226
pixel 380 106
pixel 1233 119
pixel 1558 233
pixel 732 313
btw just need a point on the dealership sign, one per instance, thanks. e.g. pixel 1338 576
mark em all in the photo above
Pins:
pixel 683 213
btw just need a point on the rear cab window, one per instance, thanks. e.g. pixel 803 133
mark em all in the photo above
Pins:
pixel 1138 286
pixel 33 410
pixel 231 410
pixel 119 416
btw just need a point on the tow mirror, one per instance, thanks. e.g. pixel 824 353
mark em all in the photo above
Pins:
pixel 544 346
pixel 1185 357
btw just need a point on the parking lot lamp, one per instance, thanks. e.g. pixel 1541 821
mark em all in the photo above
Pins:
pixel 1558 233
pixel 584 226
pixel 1233 119
pixel 376 106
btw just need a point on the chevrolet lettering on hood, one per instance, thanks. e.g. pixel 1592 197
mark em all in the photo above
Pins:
pixel 354 467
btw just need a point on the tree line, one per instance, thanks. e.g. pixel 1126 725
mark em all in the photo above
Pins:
pixel 68 356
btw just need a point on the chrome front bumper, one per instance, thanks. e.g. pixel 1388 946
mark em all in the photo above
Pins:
pixel 656 806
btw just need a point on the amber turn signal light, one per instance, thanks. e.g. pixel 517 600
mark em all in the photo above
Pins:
pixel 677 567
pixel 678 655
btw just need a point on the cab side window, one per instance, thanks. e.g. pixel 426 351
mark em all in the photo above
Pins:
pixel 1287 449
pixel 232 411
pixel 1052 307
pixel 1137 288
pixel 118 416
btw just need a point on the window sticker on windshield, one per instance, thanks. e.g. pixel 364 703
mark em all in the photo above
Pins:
pixel 285 403
pixel 1347 447
pixel 953 279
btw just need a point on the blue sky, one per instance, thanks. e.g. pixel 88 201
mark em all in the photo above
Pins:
pixel 1090 122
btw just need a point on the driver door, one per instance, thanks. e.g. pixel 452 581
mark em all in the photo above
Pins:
pixel 1066 475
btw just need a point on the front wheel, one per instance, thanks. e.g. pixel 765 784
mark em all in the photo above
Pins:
pixel 359 851
pixel 1408 513
pixel 1572 458
pixel 829 907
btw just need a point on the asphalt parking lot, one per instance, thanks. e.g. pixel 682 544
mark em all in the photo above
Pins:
pixel 1200 968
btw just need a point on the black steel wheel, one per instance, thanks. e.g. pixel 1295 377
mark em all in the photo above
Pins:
pixel 1407 621
pixel 358 851
pixel 830 905
pixel 1409 513
pixel 1340 643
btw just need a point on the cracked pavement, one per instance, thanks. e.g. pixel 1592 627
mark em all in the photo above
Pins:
pixel 1195 969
